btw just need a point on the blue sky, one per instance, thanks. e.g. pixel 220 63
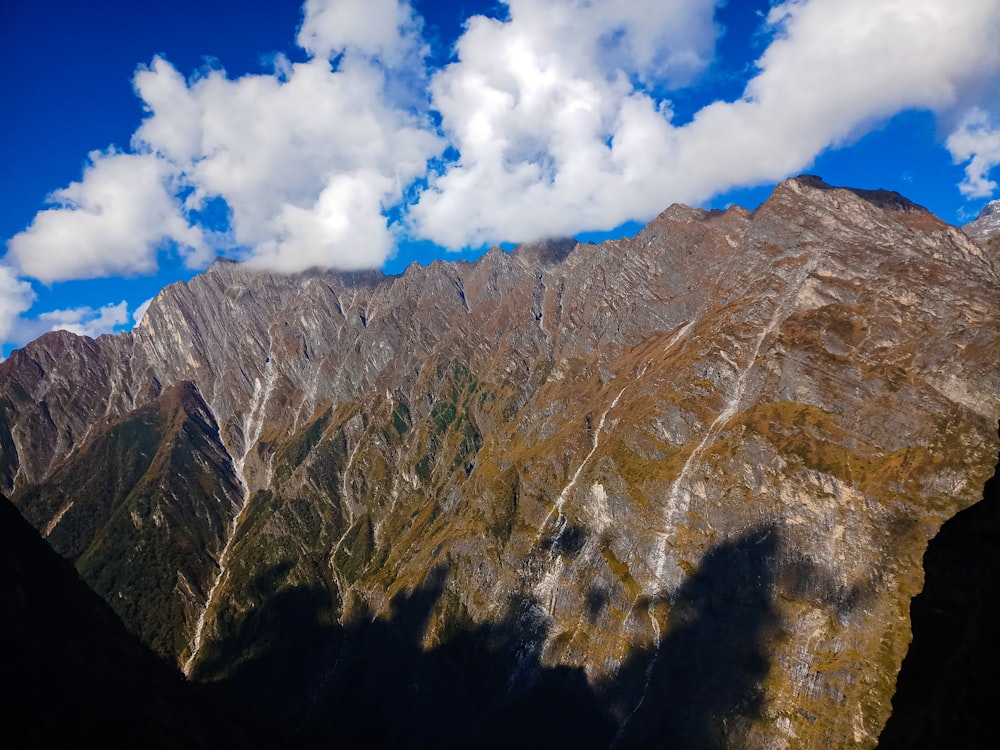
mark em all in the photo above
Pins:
pixel 140 144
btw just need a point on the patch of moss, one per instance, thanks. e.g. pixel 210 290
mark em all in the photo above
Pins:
pixel 401 418
pixel 355 553
pixel 443 414
pixel 294 453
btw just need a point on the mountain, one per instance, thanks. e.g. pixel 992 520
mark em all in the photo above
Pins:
pixel 74 676
pixel 987 224
pixel 946 690
pixel 669 489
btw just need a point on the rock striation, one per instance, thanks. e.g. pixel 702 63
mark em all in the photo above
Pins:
pixel 671 488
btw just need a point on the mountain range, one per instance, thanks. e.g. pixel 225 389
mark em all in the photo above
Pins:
pixel 672 489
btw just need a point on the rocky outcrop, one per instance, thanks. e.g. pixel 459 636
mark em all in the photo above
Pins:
pixel 735 428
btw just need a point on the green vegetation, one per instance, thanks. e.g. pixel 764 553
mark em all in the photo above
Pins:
pixel 815 438
pixel 443 414
pixel 401 418
pixel 621 571
pixel 294 453
pixel 125 453
pixel 355 553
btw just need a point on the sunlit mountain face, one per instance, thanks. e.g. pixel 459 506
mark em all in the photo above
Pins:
pixel 670 489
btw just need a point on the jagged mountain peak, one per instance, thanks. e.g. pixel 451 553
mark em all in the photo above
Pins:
pixel 813 187
pixel 990 209
pixel 987 225
pixel 801 191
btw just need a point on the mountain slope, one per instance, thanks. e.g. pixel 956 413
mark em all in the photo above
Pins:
pixel 73 675
pixel 946 691
pixel 741 426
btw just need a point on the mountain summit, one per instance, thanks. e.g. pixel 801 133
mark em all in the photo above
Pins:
pixel 987 224
pixel 671 488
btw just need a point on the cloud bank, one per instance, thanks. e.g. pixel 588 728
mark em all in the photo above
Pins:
pixel 112 222
pixel 553 142
pixel 307 159
pixel 553 120
pixel 978 144
pixel 16 297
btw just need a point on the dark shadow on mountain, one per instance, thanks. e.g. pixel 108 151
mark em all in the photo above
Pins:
pixel 355 279
pixel 274 656
pixel 705 683
pixel 567 541
pixel 371 683
pixel 948 689
pixel 73 676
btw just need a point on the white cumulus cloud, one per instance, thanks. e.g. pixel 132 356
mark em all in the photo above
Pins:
pixel 83 321
pixel 545 112
pixel 346 219
pixel 554 136
pixel 16 297
pixel 976 142
pixel 86 321
pixel 112 222
pixel 308 158
pixel 384 29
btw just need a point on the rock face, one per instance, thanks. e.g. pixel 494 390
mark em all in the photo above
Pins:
pixel 673 488
pixel 946 691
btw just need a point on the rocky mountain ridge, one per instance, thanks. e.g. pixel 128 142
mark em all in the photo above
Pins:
pixel 987 224
pixel 736 425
